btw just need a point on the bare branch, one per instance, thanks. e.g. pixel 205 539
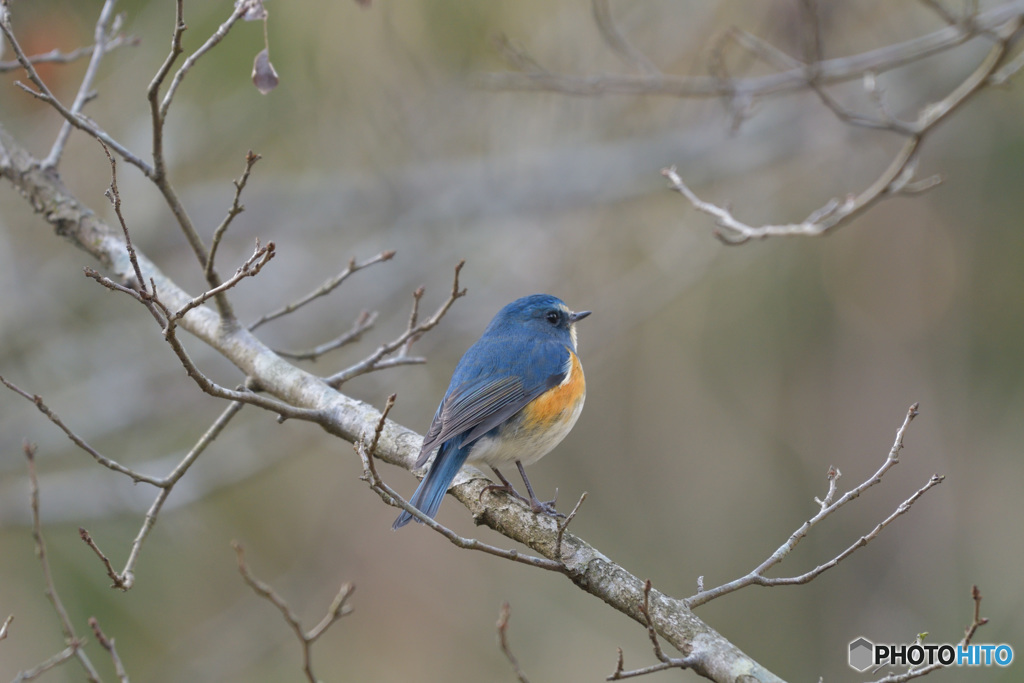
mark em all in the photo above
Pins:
pixel 827 507
pixel 969 632
pixel 58 57
pixel 618 42
pixel 666 661
pixel 564 525
pixel 896 179
pixel 126 578
pixel 153 92
pixel 118 582
pixel 830 71
pixel 338 609
pixel 77 440
pixel 114 195
pixel 363 323
pixel 108 645
pixel 158 115
pixel 191 60
pixel 3 626
pixel 978 619
pixel 51 589
pixel 44 94
pixel 101 34
pixel 326 288
pixel 56 660
pixel 236 208
pixel 503 642
pixel 253 265
pixel 413 332
pixel 763 50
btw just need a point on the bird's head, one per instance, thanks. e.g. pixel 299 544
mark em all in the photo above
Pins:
pixel 541 314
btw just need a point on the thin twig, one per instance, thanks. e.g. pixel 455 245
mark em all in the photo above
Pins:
pixel 58 57
pixel 978 619
pixel 969 632
pixel 361 324
pixel 832 476
pixel 56 660
pixel 756 577
pixel 191 60
pixel 236 208
pixel 413 332
pixel 153 92
pixel 243 394
pixel 502 626
pixel 77 440
pixel 127 575
pixel 339 607
pixel 126 579
pixel 51 589
pixel 253 265
pixel 118 582
pixel 114 195
pixel 666 662
pixel 100 35
pixel 169 323
pixel 565 525
pixel 618 42
pixel 3 626
pixel 896 179
pixel 108 645
pixel 44 94
pixel 158 115
pixel 326 288
pixel 337 610
pixel 762 49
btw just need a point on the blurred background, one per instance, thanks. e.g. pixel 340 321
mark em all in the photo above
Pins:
pixel 723 381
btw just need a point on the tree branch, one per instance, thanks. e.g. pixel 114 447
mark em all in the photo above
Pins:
pixel 74 645
pixel 827 508
pixel 414 331
pixel 324 289
pixel 337 610
pixel 830 71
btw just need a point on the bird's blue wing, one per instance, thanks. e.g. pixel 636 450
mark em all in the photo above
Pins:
pixel 482 395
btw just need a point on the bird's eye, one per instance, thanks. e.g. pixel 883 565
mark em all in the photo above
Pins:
pixel 553 317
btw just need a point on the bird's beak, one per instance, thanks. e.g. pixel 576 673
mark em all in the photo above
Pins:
pixel 573 317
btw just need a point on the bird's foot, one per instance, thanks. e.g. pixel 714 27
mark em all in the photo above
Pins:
pixel 503 488
pixel 545 508
pixel 538 507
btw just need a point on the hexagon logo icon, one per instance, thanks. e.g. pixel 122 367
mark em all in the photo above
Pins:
pixel 860 654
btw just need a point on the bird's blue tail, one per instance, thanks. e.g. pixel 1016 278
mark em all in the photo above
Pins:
pixel 430 492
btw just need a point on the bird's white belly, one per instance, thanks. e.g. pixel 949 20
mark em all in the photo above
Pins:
pixel 522 443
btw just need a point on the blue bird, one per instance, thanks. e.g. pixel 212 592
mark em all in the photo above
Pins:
pixel 514 395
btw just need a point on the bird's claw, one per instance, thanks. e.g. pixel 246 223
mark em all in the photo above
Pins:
pixel 538 507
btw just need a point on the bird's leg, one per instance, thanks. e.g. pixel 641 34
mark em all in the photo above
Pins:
pixel 505 486
pixel 537 506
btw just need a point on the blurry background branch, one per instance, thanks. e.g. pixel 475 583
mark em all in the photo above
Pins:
pixel 338 609
pixel 834 70
pixel 1000 26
